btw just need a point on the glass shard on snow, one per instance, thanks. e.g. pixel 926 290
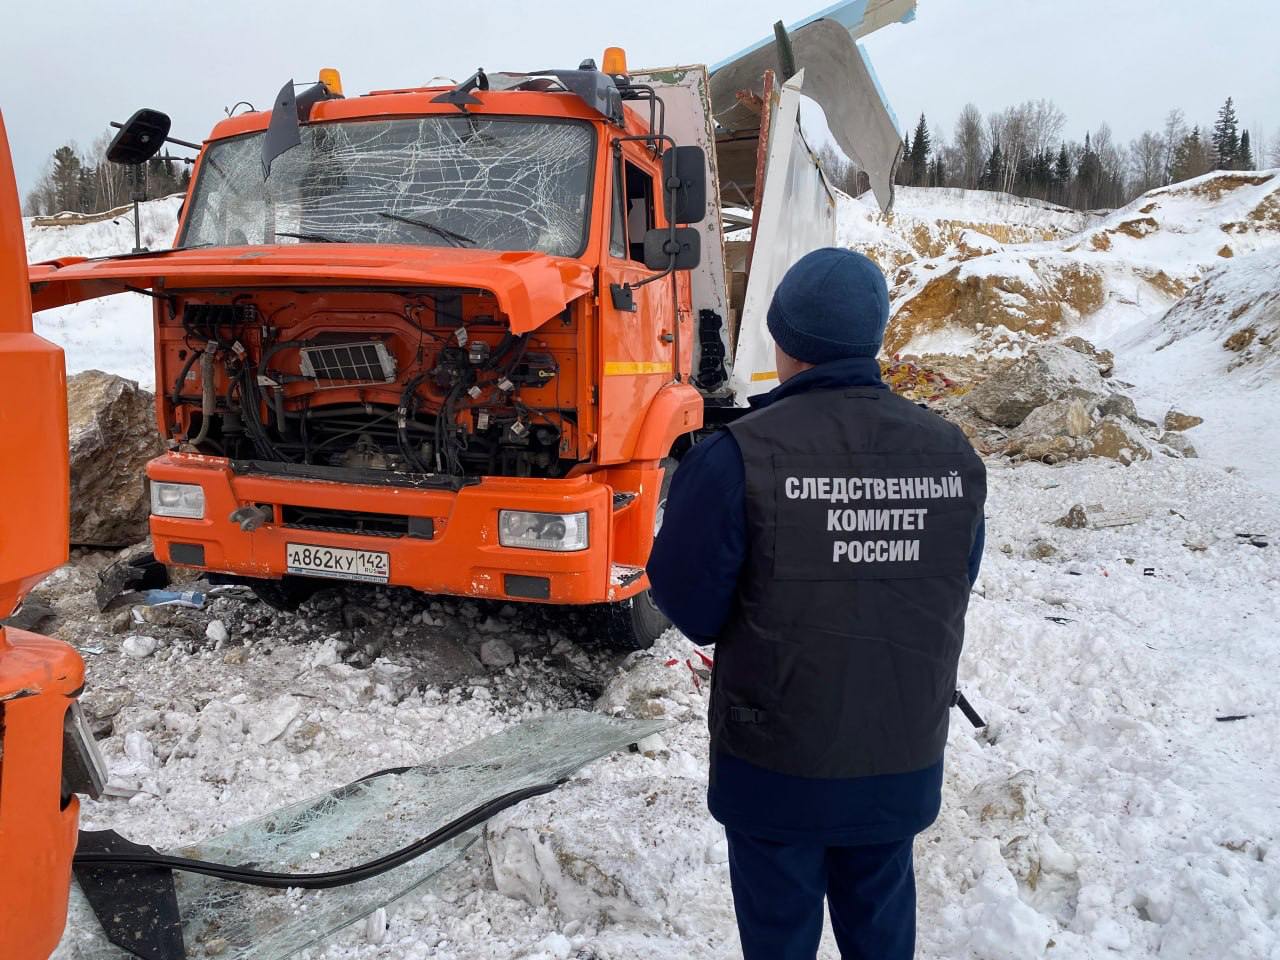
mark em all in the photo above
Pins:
pixel 352 825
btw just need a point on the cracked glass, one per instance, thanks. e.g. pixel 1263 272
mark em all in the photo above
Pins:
pixel 458 181
pixel 352 825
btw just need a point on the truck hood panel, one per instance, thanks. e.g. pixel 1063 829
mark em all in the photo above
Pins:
pixel 530 288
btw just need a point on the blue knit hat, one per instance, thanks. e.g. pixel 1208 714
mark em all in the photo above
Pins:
pixel 831 305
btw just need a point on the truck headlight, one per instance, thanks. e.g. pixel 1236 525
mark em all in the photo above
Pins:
pixel 562 532
pixel 177 500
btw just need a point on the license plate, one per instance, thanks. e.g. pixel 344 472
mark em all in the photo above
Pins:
pixel 337 563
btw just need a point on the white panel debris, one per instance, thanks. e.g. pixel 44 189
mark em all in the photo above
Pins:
pixel 797 215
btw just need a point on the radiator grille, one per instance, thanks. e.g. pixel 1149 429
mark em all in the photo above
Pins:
pixel 354 521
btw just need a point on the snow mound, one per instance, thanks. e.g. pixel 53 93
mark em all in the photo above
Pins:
pixel 1238 307
pixel 114 333
pixel 947 221
pixel 981 296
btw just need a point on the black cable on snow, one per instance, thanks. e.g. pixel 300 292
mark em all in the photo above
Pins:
pixel 332 878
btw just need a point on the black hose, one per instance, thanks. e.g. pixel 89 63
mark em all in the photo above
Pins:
pixel 332 878
pixel 192 357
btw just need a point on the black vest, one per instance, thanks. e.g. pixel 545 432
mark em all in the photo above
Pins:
pixel 839 658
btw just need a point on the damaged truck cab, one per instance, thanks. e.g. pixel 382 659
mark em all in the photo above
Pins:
pixel 454 337
pixel 438 337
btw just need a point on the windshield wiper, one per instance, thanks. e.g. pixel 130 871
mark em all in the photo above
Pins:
pixel 456 239
pixel 314 237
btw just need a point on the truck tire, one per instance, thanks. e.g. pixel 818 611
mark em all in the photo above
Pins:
pixel 286 594
pixel 636 623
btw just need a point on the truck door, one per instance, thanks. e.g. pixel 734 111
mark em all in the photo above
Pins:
pixel 635 344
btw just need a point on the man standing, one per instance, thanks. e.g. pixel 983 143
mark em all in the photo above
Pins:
pixel 826 543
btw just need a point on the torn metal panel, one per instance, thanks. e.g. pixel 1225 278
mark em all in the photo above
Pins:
pixel 859 17
pixel 797 215
pixel 356 824
pixel 840 79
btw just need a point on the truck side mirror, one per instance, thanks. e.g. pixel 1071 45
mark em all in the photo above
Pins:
pixel 685 168
pixel 140 138
pixel 662 243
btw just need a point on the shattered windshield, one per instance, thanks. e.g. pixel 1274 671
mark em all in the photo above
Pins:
pixel 460 181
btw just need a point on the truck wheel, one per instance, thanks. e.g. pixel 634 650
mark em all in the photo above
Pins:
pixel 286 594
pixel 635 624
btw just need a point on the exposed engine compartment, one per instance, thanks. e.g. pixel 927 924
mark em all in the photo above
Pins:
pixel 422 382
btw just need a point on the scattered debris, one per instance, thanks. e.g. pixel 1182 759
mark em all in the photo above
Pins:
pixel 1074 519
pixel 139 647
pixel 172 598
pixel 1041 550
pixel 30 615
pixel 217 632
pixel 141 571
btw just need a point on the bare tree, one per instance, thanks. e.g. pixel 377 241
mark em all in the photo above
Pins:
pixel 970 147
pixel 1044 122
pixel 111 180
pixel 1146 162
pixel 1175 128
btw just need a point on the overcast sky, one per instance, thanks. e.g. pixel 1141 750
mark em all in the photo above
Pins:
pixel 69 66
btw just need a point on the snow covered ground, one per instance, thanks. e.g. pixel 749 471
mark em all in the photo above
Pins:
pixel 1105 810
pixel 1124 799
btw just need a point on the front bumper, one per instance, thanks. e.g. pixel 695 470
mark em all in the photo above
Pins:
pixel 460 555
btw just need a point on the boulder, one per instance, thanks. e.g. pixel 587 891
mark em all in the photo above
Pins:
pixel 112 432
pixel 1105 359
pixel 1118 439
pixel 1179 443
pixel 1048 433
pixel 497 653
pixel 1176 420
pixel 1046 373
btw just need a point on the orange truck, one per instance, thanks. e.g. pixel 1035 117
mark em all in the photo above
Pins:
pixel 455 338
pixel 46 753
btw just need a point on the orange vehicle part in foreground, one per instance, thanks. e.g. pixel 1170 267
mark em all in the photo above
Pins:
pixel 39 677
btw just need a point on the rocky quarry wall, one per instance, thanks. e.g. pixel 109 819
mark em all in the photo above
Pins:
pixel 111 426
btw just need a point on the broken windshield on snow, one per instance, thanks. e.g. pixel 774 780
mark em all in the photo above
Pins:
pixel 454 181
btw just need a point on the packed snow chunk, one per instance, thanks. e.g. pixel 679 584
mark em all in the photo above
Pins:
pixel 217 632
pixel 375 926
pixel 1048 372
pixel 139 647
pixel 1000 926
pixel 578 853
pixel 669 680
pixel 273 718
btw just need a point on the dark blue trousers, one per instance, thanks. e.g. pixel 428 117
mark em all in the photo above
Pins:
pixel 778 892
